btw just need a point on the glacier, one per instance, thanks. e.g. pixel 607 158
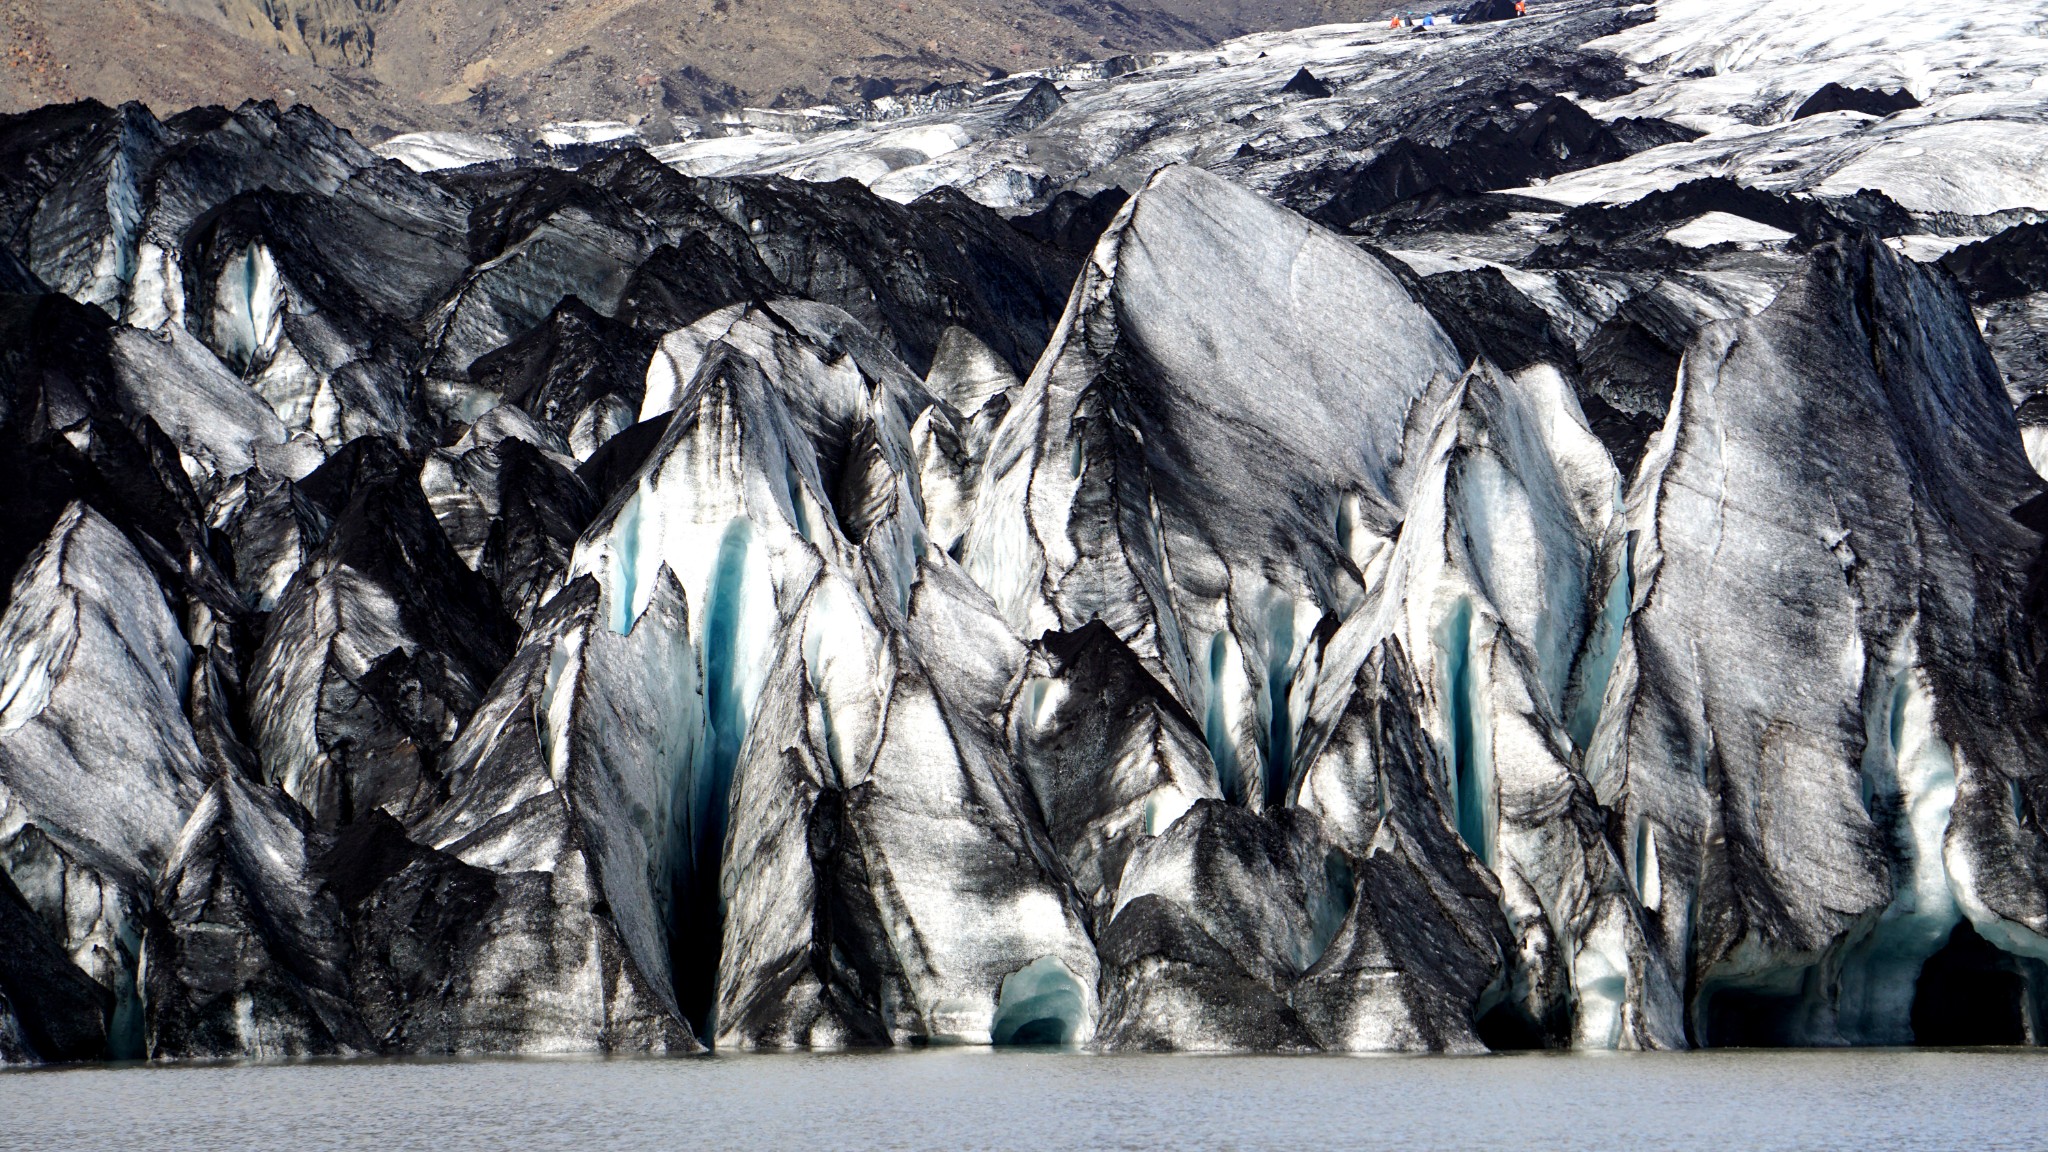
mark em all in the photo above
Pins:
pixel 1524 534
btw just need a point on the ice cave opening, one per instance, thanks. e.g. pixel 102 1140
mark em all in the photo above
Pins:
pixel 1737 1017
pixel 1040 1006
pixel 1970 993
pixel 1507 1027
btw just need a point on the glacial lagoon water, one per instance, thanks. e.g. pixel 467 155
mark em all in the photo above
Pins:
pixel 959 1099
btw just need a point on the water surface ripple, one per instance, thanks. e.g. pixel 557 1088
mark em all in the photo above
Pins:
pixel 977 1099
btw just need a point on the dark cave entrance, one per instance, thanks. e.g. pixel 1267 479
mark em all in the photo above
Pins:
pixel 1744 1018
pixel 1969 994
pixel 1506 1028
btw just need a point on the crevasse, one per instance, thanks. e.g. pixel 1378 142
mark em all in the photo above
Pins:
pixel 628 563
pixel 1225 686
pixel 249 306
pixel 1285 640
pixel 728 666
pixel 1467 735
pixel 1909 780
pixel 1603 649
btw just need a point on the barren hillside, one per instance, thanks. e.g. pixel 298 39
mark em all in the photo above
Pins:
pixel 396 64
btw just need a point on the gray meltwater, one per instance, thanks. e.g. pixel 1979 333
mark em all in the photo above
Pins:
pixel 958 1099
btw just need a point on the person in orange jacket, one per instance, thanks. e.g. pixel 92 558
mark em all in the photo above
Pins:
pixel 1521 7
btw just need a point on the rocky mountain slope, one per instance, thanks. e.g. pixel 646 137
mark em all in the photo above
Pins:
pixel 380 66
pixel 1486 536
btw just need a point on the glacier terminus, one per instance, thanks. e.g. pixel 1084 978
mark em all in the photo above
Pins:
pixel 1515 533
